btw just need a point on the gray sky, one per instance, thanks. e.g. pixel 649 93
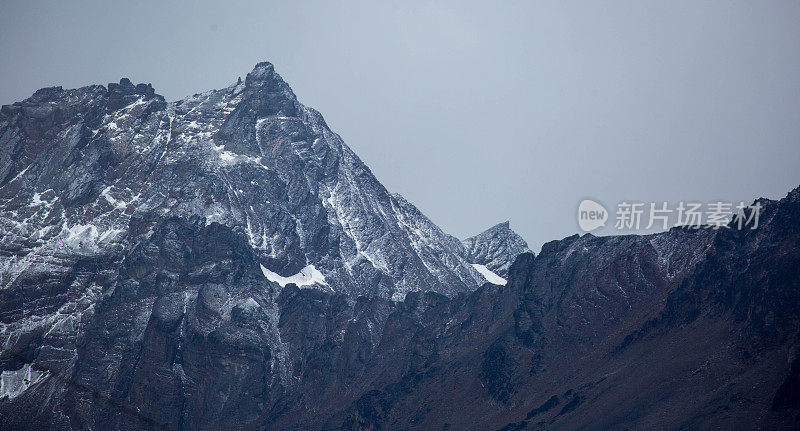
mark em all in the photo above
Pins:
pixel 476 112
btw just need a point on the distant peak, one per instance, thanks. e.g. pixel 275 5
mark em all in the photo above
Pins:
pixel 496 247
pixel 503 229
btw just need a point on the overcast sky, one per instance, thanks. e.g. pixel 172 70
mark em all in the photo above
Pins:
pixel 476 112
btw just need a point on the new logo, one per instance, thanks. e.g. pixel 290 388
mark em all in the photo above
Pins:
pixel 591 215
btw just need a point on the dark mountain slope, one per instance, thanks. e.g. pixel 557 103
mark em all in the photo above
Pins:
pixel 595 332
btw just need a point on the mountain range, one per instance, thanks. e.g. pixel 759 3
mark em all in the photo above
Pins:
pixel 225 261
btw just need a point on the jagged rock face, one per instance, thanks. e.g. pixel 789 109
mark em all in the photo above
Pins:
pixel 77 165
pixel 137 235
pixel 496 248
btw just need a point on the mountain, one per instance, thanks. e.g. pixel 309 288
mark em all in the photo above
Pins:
pixel 80 167
pixel 496 248
pixel 225 262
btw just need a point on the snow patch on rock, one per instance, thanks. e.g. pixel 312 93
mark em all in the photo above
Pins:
pixel 307 276
pixel 13 383
pixel 490 276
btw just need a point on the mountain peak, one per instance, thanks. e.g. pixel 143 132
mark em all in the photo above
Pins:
pixel 251 158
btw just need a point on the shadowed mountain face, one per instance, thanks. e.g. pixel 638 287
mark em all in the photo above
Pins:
pixel 226 262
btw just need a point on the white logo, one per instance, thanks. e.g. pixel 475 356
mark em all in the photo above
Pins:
pixel 591 215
